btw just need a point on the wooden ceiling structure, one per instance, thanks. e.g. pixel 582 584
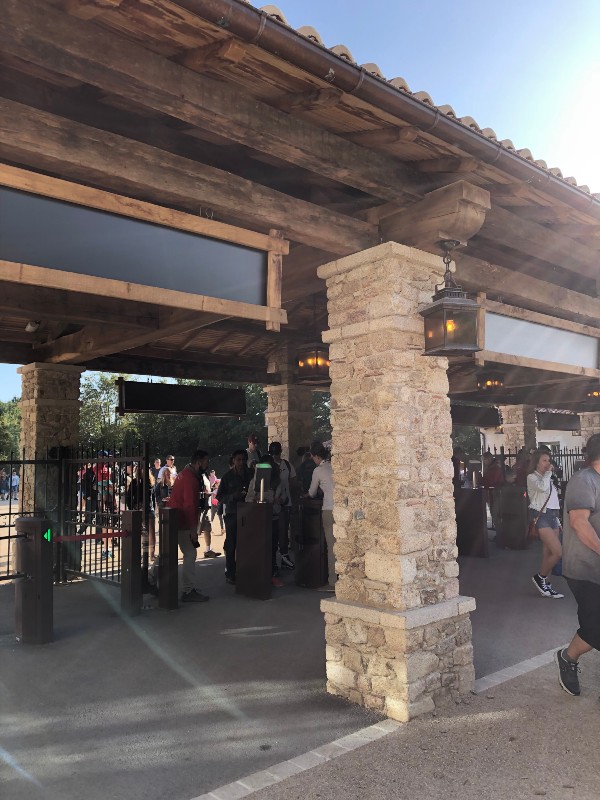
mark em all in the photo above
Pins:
pixel 214 107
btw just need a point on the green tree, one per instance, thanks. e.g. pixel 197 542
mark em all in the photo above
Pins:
pixel 10 427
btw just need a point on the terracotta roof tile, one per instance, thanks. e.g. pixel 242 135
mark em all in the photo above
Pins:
pixel 342 51
pixel 276 13
pixel 311 33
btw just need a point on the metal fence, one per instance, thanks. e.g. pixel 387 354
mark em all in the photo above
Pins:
pixel 28 487
pixel 84 494
pixel 565 460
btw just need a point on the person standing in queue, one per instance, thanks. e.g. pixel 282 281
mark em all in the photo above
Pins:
pixel 232 490
pixel 185 496
pixel 322 480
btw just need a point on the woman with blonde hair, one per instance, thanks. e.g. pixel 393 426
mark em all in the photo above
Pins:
pixel 544 509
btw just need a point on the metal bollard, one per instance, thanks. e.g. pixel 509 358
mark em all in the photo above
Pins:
pixel 34 593
pixel 168 586
pixel 131 563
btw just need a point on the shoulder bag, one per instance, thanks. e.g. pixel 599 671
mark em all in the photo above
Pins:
pixel 532 531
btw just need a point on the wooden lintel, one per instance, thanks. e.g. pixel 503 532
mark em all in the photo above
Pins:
pixel 309 100
pixel 124 290
pixel 384 136
pixel 446 164
pixel 535 363
pixel 456 211
pixel 46 186
pixel 214 55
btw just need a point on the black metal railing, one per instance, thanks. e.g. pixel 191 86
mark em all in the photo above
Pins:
pixel 98 484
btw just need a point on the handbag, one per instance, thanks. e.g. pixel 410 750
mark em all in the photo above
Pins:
pixel 532 531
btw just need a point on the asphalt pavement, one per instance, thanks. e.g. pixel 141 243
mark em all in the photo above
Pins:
pixel 177 704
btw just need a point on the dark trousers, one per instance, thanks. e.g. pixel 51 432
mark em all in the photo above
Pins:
pixel 230 544
pixel 284 530
pixel 275 531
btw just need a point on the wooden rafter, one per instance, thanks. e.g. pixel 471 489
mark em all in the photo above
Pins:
pixel 37 33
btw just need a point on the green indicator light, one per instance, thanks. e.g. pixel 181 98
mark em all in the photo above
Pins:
pixel 48 535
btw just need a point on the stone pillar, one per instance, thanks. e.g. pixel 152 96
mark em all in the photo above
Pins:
pixel 519 427
pixel 590 424
pixel 289 416
pixel 49 418
pixel 398 634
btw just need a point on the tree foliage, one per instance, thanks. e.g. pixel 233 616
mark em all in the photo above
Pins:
pixel 10 427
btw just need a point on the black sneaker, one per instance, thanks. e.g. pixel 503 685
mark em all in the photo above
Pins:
pixel 567 674
pixel 552 592
pixel 541 585
pixel 287 562
pixel 194 597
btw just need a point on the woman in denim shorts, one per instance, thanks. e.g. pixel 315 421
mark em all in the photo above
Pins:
pixel 543 495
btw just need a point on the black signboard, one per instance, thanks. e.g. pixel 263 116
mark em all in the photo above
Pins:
pixel 557 421
pixel 44 232
pixel 171 398
pixel 479 416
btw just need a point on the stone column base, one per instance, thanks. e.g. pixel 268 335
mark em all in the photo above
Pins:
pixel 402 663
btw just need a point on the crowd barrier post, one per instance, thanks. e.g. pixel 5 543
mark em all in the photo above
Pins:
pixel 34 600
pixel 168 592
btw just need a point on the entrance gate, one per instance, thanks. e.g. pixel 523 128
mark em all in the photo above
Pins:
pixel 84 496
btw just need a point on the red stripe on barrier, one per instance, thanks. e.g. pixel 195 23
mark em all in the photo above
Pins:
pixel 76 538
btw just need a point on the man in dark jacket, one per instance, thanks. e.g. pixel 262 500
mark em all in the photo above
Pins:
pixel 232 490
pixel 185 496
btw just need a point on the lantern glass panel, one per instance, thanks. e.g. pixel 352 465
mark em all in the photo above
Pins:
pixel 461 328
pixel 434 330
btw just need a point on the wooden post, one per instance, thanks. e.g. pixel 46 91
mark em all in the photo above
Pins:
pixel 274 277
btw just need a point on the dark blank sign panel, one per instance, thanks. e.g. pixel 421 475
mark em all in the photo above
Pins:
pixel 171 398
pixel 44 232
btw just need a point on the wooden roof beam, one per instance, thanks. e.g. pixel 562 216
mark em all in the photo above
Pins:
pixel 510 230
pixel 456 211
pixel 381 137
pixel 84 153
pixel 41 35
pixel 93 341
pixel 36 302
pixel 309 100
pixel 446 164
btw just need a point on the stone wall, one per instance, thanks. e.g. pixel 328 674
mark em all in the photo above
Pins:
pixel 403 665
pixel 518 423
pixel 590 424
pixel 395 525
pixel 289 416
pixel 49 418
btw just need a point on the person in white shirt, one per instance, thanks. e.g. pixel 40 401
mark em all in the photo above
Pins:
pixel 544 507
pixel 322 479
pixel 170 465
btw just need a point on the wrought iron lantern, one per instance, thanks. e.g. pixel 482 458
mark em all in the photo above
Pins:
pixel 451 320
pixel 313 364
pixel 489 380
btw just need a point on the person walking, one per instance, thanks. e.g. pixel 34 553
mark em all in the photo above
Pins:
pixel 581 564
pixel 544 507
pixel 185 496
pixel 322 480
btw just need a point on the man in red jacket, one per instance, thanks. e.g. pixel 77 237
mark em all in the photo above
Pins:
pixel 185 496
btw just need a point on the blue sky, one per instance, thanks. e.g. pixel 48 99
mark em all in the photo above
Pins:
pixel 530 70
